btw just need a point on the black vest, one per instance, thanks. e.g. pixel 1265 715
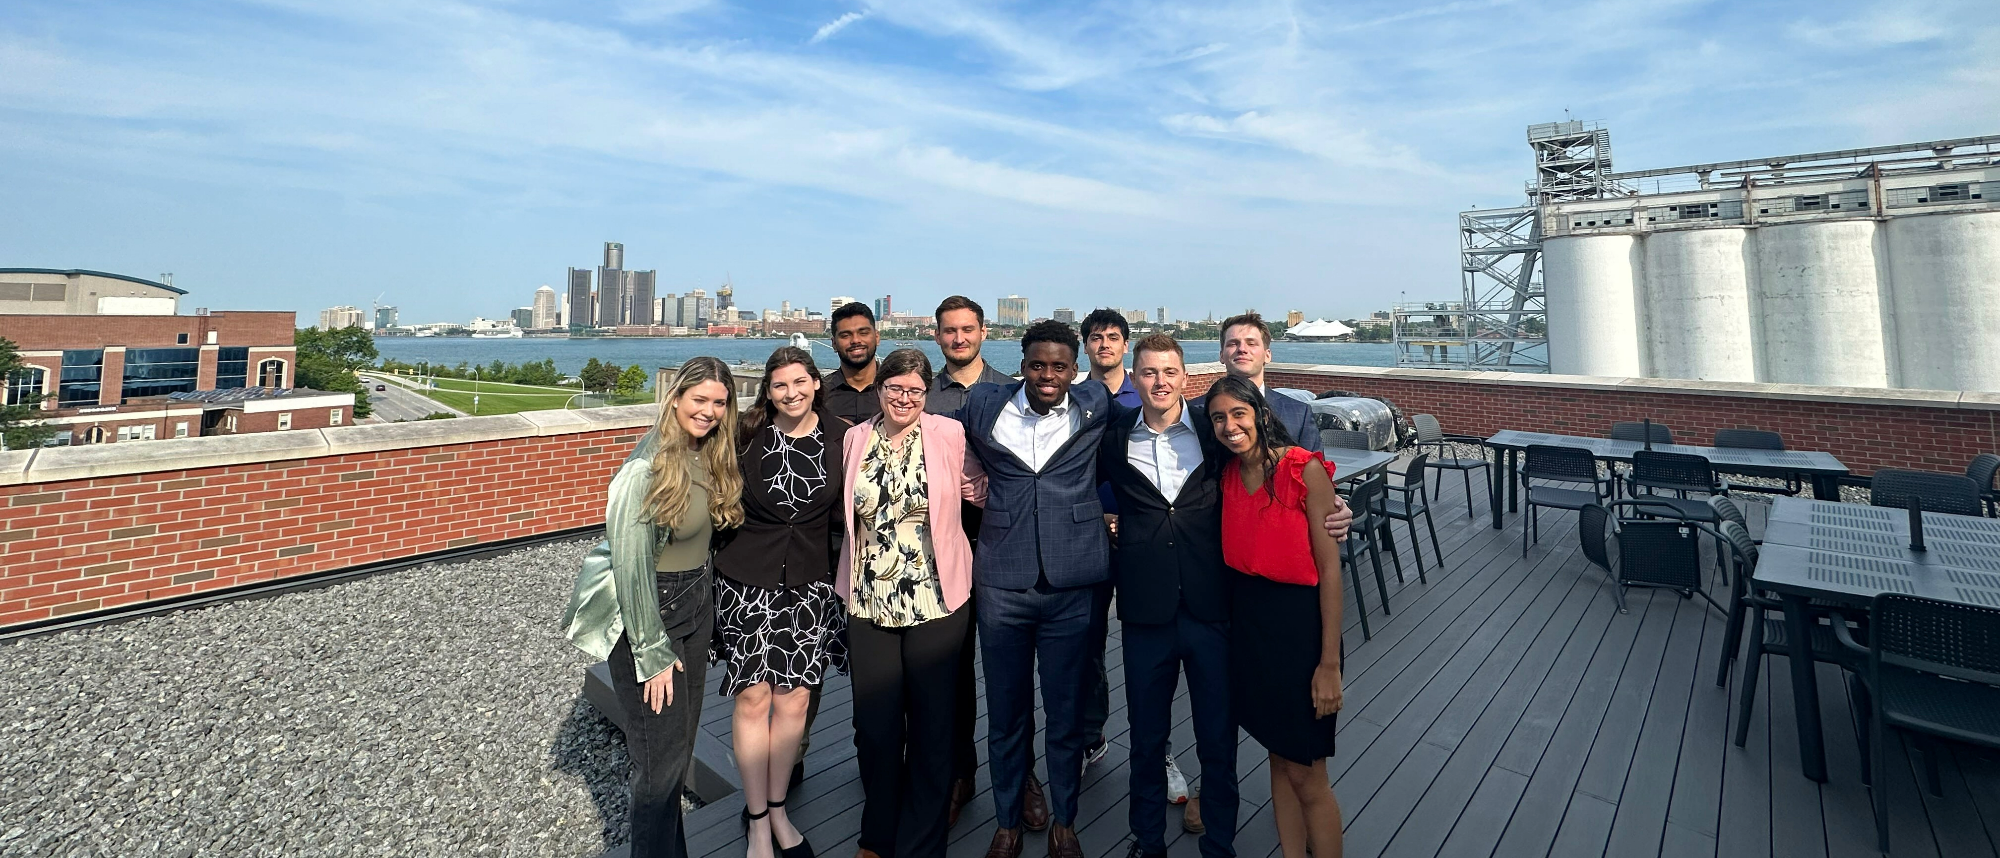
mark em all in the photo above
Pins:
pixel 1169 551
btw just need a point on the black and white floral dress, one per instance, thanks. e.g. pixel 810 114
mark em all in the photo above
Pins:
pixel 790 637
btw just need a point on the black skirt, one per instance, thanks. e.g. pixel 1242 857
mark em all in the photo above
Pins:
pixel 1274 641
pixel 790 637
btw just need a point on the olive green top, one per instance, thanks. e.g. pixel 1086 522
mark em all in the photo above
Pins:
pixel 685 545
pixel 614 596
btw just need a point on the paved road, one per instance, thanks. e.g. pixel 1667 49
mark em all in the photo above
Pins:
pixel 400 403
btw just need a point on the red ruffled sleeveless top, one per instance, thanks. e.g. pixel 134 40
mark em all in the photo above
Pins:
pixel 1269 537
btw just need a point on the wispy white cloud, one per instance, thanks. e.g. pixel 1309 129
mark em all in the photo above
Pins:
pixel 830 28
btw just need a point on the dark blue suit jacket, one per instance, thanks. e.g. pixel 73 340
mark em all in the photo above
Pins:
pixel 1040 525
pixel 1295 415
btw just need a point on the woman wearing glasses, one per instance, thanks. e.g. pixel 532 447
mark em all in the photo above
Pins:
pixel 905 574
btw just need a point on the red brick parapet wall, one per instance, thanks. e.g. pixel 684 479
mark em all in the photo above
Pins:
pixel 1866 429
pixel 87 529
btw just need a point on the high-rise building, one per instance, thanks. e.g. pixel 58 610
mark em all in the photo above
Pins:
pixel 524 317
pixel 642 298
pixel 544 316
pixel 1134 317
pixel 614 255
pixel 725 299
pixel 1160 314
pixel 784 309
pixel 578 308
pixel 385 318
pixel 838 302
pixel 1064 315
pixel 333 318
pixel 696 309
pixel 1293 318
pixel 884 307
pixel 612 296
pixel 1013 310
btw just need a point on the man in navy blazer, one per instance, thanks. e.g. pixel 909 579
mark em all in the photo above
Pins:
pixel 1246 350
pixel 1042 560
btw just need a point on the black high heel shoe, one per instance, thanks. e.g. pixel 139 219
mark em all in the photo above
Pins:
pixel 805 847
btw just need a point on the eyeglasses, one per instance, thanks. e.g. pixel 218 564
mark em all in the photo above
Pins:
pixel 904 394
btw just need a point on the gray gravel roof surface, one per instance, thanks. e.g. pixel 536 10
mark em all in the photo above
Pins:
pixel 427 711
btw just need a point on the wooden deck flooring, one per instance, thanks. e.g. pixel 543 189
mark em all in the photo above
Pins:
pixel 1507 709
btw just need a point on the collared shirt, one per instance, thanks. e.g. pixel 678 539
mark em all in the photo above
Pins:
pixel 1035 438
pixel 1165 458
pixel 1126 395
pixel 846 403
pixel 947 395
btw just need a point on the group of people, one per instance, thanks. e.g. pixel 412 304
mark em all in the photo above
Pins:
pixel 889 521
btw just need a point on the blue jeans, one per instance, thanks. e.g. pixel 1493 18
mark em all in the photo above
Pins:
pixel 1019 629
pixel 1155 655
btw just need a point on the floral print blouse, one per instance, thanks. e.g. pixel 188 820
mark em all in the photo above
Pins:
pixel 895 572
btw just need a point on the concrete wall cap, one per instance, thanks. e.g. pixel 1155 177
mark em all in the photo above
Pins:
pixel 1980 401
pixel 174 454
pixel 14 466
pixel 375 437
pixel 621 416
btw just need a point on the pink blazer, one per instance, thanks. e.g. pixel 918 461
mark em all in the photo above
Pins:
pixel 953 474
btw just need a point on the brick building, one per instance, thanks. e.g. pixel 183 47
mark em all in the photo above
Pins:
pixel 108 378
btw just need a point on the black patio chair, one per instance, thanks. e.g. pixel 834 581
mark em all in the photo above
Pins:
pixel 1414 501
pixel 1637 432
pixel 1980 471
pixel 1950 493
pixel 1663 554
pixel 1762 615
pixel 1431 434
pixel 1679 473
pixel 1557 464
pixel 1726 509
pixel 1345 439
pixel 1365 534
pixel 1758 439
pixel 1931 669
pixel 1598 536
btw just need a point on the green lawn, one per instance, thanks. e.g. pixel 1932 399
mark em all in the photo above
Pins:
pixel 503 398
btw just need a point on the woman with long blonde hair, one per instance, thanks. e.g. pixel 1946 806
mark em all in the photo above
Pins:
pixel 650 610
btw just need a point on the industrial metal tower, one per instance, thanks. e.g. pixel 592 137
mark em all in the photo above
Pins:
pixel 1500 321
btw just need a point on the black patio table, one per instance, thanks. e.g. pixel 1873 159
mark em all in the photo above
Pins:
pixel 1849 554
pixel 1824 470
pixel 1349 464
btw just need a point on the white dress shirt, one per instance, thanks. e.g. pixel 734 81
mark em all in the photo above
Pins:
pixel 1035 438
pixel 1165 458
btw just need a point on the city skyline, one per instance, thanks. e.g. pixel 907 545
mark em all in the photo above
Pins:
pixel 1284 156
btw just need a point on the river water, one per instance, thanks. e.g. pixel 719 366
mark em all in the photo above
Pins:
pixel 570 355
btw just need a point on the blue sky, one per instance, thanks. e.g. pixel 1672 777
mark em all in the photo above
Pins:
pixel 1209 157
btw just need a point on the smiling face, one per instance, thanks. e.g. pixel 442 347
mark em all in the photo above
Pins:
pixel 1047 370
pixel 855 339
pixel 1160 377
pixel 902 399
pixel 1106 347
pixel 959 336
pixel 701 407
pixel 1235 422
pixel 792 389
pixel 1244 352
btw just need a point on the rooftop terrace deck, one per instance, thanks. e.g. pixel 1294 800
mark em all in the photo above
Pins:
pixel 1504 709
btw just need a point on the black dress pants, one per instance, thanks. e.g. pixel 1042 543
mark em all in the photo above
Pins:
pixel 905 692
pixel 1155 657
pixel 661 745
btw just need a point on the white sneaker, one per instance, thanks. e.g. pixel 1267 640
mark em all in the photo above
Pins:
pixel 1177 786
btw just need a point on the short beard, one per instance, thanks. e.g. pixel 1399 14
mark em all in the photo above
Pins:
pixel 846 364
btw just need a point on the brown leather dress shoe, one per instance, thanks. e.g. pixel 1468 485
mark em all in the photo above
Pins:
pixel 863 853
pixel 1063 842
pixel 1034 805
pixel 961 795
pixel 1191 817
pixel 1006 843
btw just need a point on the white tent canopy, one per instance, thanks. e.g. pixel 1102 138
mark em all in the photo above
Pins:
pixel 1318 329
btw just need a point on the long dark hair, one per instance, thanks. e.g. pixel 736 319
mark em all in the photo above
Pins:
pixel 1271 434
pixel 758 417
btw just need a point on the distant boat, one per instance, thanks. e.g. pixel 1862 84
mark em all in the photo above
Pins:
pixel 498 334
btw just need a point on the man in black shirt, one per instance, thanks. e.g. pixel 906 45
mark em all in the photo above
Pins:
pixel 849 392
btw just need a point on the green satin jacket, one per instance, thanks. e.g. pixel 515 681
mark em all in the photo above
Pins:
pixel 614 594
